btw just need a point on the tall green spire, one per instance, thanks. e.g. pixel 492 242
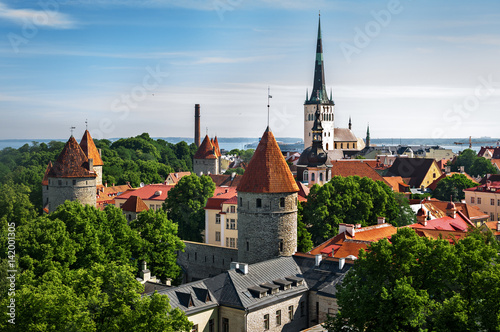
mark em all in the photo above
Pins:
pixel 367 143
pixel 319 94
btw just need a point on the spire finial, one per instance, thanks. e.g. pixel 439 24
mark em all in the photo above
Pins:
pixel 268 97
pixel 71 129
pixel 319 14
pixel 86 124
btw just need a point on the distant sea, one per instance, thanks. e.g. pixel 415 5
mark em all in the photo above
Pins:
pixel 229 143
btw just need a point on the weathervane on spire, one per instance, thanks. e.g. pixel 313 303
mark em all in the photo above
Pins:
pixel 268 97
pixel 71 129
pixel 86 124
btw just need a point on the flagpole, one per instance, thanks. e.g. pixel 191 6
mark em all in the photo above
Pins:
pixel 268 96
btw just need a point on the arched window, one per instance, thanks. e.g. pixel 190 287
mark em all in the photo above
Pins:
pixel 321 177
pixel 312 176
pixel 327 146
pixel 305 176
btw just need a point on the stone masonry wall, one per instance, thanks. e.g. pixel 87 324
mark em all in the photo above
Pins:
pixel 205 166
pixel 268 231
pixel 200 260
pixel 72 189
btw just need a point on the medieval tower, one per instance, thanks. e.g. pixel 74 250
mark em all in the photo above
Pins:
pixel 91 152
pixel 267 205
pixel 319 97
pixel 207 158
pixel 72 177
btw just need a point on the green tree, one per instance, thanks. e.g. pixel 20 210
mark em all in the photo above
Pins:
pixel 237 170
pixel 186 202
pixel 304 242
pixel 453 186
pixel 482 166
pixel 414 283
pixel 159 243
pixel 466 159
pixel 348 200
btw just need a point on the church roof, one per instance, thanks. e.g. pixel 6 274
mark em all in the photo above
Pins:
pixel 206 150
pixel 268 171
pixel 45 181
pixel 71 163
pixel 343 135
pixel 134 204
pixel 90 150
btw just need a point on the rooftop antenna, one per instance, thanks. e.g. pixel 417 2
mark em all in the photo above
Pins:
pixel 268 97
pixel 71 129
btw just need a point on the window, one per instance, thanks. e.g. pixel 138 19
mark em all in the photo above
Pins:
pixel 195 328
pixel 129 217
pixel 434 175
pixel 321 176
pixel 278 318
pixel 217 218
pixel 225 324
pixel 472 200
pixel 492 201
pixel 479 200
pixel 232 224
pixel 241 201
pixel 233 209
pixel 151 206
pixel 258 202
pixel 158 207
pixel 227 223
pixel 341 145
pixel 302 309
pixel 59 182
pixel 281 244
pixel 217 236
pixel 211 326
pixel 290 312
pixel 305 176
pixel 74 182
pixel 248 246
pixel 232 242
pixel 492 216
pixel 266 322
pixel 312 176
pixel 498 202
pixel 282 202
pixel 317 311
pixel 227 242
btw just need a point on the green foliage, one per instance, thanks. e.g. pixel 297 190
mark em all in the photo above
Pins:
pixel 237 170
pixel 352 200
pixel 245 155
pixel 304 242
pixel 473 165
pixel 453 187
pixel 185 205
pixel 417 284
pixel 135 160
pixel 159 243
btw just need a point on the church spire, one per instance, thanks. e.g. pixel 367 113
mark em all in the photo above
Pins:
pixel 367 143
pixel 350 123
pixel 319 94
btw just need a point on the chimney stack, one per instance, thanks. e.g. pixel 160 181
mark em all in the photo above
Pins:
pixel 380 220
pixel 197 125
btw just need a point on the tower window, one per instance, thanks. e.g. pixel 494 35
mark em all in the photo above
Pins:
pixel 258 202
pixel 282 202
pixel 281 245
pixel 241 201
pixel 248 246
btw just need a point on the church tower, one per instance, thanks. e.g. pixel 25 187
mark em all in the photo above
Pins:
pixel 319 97
pixel 267 205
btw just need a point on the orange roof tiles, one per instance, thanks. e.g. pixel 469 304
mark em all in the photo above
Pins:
pixel 459 223
pixel 71 163
pixel 225 180
pixel 90 150
pixel 45 181
pixel 493 226
pixel 268 171
pixel 134 204
pixel 206 150
pixel 156 192
pixel 107 194
pixel 222 195
pixel 355 167
pixel 216 145
pixel 397 183
pixel 175 177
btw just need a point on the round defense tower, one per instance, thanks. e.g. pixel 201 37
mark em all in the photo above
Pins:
pixel 267 205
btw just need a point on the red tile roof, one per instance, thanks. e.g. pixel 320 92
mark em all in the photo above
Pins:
pixel 221 196
pixel 268 171
pixel 45 181
pixel 487 187
pixel 107 194
pixel 177 176
pixel 303 191
pixel 459 223
pixel 397 184
pixel 216 145
pixel 71 163
pixel 225 180
pixel 355 167
pixel 90 150
pixel 134 204
pixel 451 236
pixel 157 192
pixel 206 150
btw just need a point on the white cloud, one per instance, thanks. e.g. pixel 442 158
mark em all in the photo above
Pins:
pixel 38 17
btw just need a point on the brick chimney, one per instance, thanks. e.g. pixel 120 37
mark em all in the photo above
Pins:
pixel 451 210
pixel 349 228
pixel 197 125
pixel 380 220
pixel 421 218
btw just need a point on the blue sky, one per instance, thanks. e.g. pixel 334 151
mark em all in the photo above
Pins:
pixel 408 68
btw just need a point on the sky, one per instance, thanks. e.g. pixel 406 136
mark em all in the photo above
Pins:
pixel 410 69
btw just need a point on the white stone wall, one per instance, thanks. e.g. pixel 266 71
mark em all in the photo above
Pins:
pixel 72 189
pixel 328 121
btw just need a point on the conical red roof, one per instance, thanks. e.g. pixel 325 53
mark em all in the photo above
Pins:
pixel 268 171
pixel 45 181
pixel 216 145
pixel 206 150
pixel 134 204
pixel 90 150
pixel 72 162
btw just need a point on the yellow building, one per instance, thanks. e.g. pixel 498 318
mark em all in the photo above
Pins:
pixel 418 172
pixel 486 197
pixel 221 218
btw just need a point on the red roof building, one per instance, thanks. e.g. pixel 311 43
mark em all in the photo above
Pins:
pixel 153 195
pixel 267 171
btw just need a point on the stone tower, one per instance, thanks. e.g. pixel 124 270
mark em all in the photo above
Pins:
pixel 91 152
pixel 72 177
pixel 207 158
pixel 319 97
pixel 267 205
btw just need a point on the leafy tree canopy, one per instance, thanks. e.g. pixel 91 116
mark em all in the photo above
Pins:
pixel 453 186
pixel 473 165
pixel 185 205
pixel 414 283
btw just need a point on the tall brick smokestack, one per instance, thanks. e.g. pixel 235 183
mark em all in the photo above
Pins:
pixel 197 124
